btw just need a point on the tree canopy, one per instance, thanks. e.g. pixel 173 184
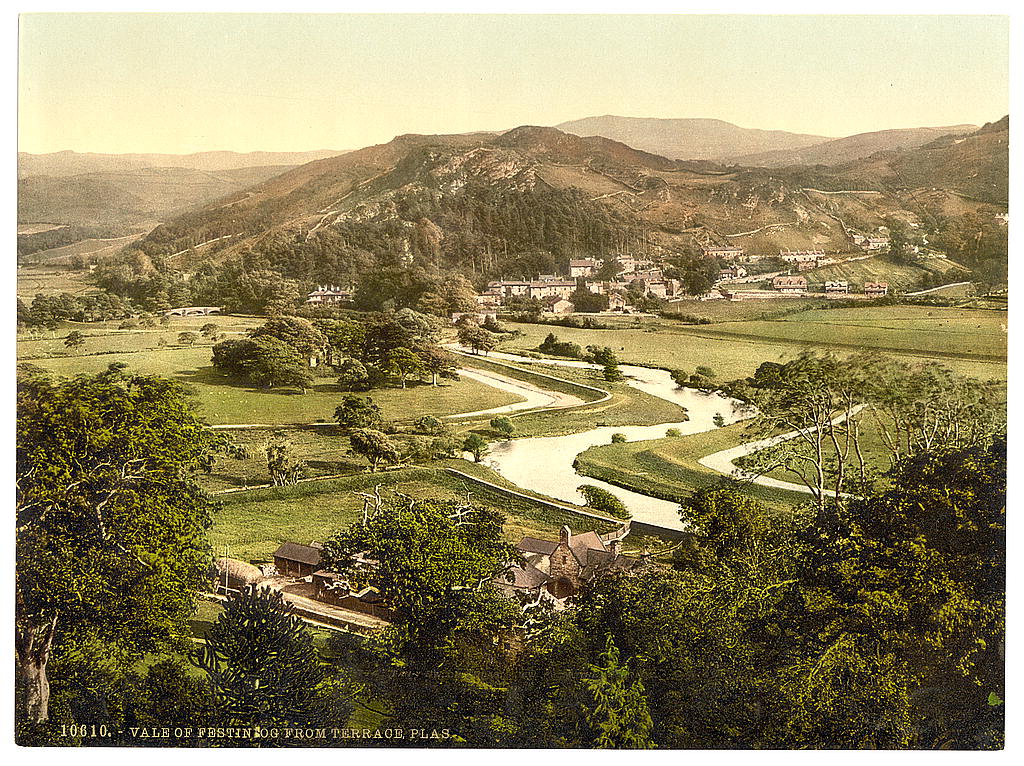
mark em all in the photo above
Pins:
pixel 111 526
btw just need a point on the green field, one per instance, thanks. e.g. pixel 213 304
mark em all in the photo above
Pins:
pixel 970 341
pixel 737 311
pixel 668 467
pixel 222 401
pixel 251 524
pixel 52 280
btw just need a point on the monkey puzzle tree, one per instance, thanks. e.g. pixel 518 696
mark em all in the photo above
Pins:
pixel 111 526
pixel 263 667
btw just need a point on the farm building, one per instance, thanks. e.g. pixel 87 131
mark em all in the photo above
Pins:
pixel 876 289
pixel 838 287
pixel 296 560
pixel 790 284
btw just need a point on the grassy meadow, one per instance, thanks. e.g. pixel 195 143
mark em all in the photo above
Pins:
pixel 223 401
pixel 668 467
pixel 251 524
pixel 971 341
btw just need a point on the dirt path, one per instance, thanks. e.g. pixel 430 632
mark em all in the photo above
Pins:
pixel 533 396
pixel 723 461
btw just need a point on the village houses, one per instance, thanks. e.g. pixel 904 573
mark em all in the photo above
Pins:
pixel 790 284
pixel 584 267
pixel 725 253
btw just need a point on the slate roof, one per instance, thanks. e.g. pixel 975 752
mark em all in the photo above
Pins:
pixel 536 545
pixel 583 544
pixel 303 554
pixel 526 577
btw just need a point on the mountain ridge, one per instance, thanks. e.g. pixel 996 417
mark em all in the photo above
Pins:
pixel 695 138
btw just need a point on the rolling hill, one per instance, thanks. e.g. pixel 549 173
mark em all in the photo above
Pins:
pixel 851 148
pixel 481 204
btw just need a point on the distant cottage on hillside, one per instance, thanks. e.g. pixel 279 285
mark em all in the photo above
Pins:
pixel 329 294
pixel 838 287
pixel 876 289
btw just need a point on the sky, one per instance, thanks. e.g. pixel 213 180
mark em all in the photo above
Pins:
pixel 180 83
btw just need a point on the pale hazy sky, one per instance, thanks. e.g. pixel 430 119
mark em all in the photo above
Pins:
pixel 186 83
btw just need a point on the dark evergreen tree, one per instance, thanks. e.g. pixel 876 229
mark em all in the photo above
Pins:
pixel 263 667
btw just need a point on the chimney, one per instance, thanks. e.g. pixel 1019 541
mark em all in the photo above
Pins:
pixel 564 534
pixel 616 548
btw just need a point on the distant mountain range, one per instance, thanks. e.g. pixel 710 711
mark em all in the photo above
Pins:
pixel 525 201
pixel 131 195
pixel 86 188
pixel 688 139
pixel 70 163
pixel 724 142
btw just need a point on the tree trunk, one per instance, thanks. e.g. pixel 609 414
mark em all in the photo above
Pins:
pixel 32 643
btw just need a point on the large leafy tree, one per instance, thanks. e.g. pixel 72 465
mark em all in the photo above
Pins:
pixel 301 334
pixel 111 526
pixel 434 563
pixel 264 361
pixel 375 446
pixel 405 363
pixel 477 338
pixel 358 412
pixel 273 362
pixel 902 601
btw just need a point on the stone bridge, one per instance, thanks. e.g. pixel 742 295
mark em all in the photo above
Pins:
pixel 194 311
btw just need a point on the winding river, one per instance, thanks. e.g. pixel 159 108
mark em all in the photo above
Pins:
pixel 545 464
